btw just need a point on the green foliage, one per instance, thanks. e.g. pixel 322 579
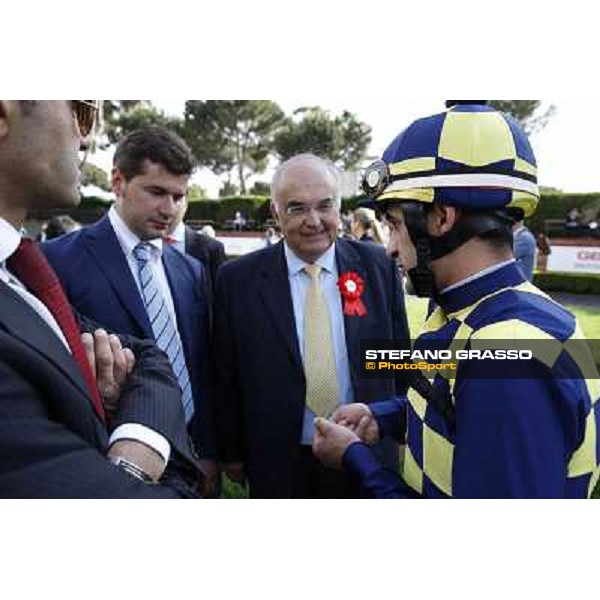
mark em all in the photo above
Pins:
pixel 93 175
pixel 556 206
pixel 195 193
pixel 203 210
pixel 575 283
pixel 261 188
pixel 233 491
pixel 524 111
pixel 352 202
pixel 124 116
pixel 228 135
pixel 249 206
pixel 342 139
pixel 93 203
pixel 254 208
pixel 228 189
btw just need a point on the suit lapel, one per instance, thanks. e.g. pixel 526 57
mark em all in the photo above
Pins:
pixel 274 291
pixel 106 251
pixel 348 259
pixel 190 239
pixel 176 277
pixel 24 323
pixel 195 246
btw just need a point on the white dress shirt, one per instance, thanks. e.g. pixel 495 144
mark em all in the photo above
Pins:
pixel 477 275
pixel 179 236
pixel 128 241
pixel 299 284
pixel 10 239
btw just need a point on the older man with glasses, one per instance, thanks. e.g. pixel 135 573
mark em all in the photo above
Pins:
pixel 66 387
pixel 288 324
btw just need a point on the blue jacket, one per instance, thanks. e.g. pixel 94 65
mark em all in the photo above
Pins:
pixel 99 284
pixel 524 429
pixel 524 248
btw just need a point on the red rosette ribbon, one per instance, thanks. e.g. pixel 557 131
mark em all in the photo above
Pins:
pixel 351 287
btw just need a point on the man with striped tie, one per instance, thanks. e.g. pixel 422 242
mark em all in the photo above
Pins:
pixel 120 273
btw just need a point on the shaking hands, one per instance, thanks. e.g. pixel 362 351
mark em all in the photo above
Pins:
pixel 349 424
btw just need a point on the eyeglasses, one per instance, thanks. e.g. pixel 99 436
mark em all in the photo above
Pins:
pixel 324 207
pixel 84 112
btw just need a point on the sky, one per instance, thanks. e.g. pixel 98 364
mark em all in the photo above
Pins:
pixel 565 149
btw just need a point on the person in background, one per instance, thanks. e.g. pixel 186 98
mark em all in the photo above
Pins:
pixel 573 219
pixel 239 221
pixel 209 251
pixel 524 246
pixel 209 231
pixel 271 237
pixel 544 248
pixel 60 225
pixel 366 227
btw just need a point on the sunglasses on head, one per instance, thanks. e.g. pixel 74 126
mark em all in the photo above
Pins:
pixel 84 112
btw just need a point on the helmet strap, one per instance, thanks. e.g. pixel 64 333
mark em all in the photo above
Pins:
pixel 469 225
pixel 428 248
pixel 421 276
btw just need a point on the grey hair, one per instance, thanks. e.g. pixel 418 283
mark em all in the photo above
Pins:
pixel 329 166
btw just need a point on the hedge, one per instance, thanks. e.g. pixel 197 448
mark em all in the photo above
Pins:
pixel 256 208
pixel 557 205
pixel 576 283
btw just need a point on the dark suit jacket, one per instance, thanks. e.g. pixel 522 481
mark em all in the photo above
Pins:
pixel 260 398
pixel 52 443
pixel 97 279
pixel 210 252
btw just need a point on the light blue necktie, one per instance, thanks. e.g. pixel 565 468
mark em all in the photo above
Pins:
pixel 163 326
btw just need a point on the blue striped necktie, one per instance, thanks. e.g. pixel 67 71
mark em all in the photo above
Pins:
pixel 162 324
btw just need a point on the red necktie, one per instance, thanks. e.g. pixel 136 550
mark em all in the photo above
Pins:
pixel 170 240
pixel 29 264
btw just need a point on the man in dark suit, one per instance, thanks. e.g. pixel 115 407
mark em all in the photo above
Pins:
pixel 57 437
pixel 287 342
pixel 119 272
pixel 210 252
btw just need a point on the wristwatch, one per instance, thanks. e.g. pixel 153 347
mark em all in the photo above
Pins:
pixel 130 468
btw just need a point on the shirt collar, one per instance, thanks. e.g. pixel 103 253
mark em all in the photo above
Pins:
pixel 477 275
pixel 10 238
pixel 295 264
pixel 473 288
pixel 179 233
pixel 127 239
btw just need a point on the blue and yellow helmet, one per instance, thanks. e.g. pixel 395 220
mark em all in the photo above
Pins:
pixel 470 156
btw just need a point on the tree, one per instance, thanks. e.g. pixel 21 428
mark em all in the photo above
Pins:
pixel 261 188
pixel 524 111
pixel 232 135
pixel 195 192
pixel 228 189
pixel 124 116
pixel 342 139
pixel 93 175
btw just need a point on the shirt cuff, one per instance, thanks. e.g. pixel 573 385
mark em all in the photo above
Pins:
pixel 143 434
